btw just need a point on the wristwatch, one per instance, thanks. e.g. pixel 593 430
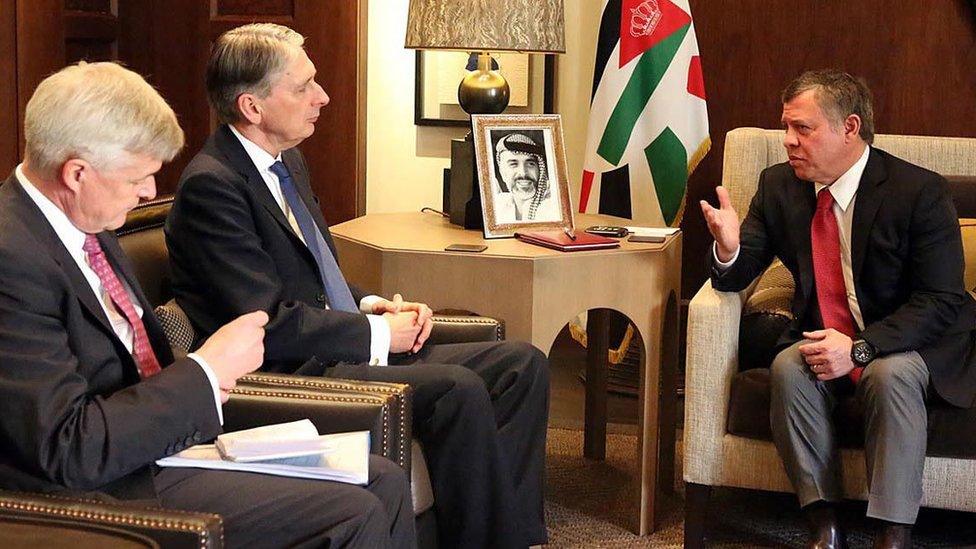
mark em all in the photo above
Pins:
pixel 863 352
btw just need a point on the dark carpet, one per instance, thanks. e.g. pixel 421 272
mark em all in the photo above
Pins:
pixel 589 502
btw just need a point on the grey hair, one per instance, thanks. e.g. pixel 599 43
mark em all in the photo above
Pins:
pixel 247 59
pixel 839 95
pixel 96 111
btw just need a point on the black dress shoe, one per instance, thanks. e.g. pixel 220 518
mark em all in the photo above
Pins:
pixel 893 536
pixel 825 529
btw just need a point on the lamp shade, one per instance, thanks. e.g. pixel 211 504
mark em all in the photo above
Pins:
pixel 530 26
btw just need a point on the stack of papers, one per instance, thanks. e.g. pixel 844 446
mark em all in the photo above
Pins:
pixel 288 449
pixel 653 231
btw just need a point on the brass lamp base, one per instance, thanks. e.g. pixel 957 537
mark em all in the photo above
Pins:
pixel 484 91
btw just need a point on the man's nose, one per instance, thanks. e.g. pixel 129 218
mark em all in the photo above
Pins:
pixel 148 191
pixel 789 140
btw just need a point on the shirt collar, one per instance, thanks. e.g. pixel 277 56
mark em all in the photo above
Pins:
pixel 260 157
pixel 846 185
pixel 72 237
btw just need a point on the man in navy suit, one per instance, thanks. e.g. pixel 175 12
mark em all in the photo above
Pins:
pixel 91 393
pixel 880 309
pixel 246 233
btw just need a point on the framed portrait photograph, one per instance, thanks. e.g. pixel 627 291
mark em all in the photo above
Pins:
pixel 521 162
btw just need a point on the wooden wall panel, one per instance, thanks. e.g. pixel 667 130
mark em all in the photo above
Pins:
pixel 9 122
pixel 918 57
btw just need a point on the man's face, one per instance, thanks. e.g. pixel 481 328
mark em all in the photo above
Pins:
pixel 289 112
pixel 818 151
pixel 103 197
pixel 520 171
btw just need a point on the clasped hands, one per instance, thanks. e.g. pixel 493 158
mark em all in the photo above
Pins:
pixel 410 323
pixel 828 354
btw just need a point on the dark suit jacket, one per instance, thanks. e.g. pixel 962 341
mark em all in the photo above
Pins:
pixel 232 251
pixel 907 260
pixel 75 415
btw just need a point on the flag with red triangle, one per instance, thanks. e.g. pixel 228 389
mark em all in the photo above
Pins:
pixel 648 126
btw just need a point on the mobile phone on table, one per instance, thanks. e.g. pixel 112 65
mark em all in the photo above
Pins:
pixel 608 230
pixel 646 238
pixel 473 248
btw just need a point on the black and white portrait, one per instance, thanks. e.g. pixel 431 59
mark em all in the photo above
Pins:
pixel 522 183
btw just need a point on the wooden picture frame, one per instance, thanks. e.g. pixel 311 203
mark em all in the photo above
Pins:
pixel 522 176
pixel 438 74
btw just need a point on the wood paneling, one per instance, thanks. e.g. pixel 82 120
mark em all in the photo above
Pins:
pixel 9 123
pixel 919 58
pixel 255 7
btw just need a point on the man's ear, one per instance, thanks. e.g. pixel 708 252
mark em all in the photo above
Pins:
pixel 852 126
pixel 249 107
pixel 73 173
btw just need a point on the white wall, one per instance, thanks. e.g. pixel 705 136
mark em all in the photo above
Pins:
pixel 404 162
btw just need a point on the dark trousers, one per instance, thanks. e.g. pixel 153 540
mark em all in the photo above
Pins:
pixel 272 511
pixel 480 411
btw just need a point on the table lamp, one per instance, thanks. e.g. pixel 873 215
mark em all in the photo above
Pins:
pixel 482 26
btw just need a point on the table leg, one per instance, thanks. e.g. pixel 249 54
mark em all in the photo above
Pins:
pixel 595 414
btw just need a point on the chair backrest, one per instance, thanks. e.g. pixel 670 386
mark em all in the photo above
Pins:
pixel 748 151
pixel 142 239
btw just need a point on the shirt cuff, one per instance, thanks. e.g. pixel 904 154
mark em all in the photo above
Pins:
pixel 366 303
pixel 726 264
pixel 213 383
pixel 379 340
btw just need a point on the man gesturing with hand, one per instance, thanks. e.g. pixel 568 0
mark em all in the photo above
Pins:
pixel 880 310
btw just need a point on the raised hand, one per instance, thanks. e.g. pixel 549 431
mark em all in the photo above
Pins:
pixel 723 223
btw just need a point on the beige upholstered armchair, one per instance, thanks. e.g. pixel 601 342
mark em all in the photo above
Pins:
pixel 727 439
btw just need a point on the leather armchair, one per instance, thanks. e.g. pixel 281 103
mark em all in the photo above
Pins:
pixel 333 405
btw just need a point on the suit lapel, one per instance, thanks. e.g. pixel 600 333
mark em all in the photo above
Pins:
pixel 40 226
pixel 239 160
pixel 117 259
pixel 869 200
pixel 803 198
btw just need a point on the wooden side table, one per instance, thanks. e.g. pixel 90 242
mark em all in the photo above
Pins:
pixel 537 291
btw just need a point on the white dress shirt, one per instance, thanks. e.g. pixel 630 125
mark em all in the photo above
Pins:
pixel 379 329
pixel 73 240
pixel 844 191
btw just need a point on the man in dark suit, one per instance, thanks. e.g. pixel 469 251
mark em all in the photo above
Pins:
pixel 246 233
pixel 92 395
pixel 880 307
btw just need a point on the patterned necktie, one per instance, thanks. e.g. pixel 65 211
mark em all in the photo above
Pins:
pixel 828 271
pixel 146 360
pixel 336 288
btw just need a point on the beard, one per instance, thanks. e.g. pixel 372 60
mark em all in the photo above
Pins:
pixel 524 188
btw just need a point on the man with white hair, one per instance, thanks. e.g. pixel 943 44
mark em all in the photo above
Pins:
pixel 246 232
pixel 92 394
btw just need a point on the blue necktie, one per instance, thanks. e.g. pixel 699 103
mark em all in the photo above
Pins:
pixel 336 288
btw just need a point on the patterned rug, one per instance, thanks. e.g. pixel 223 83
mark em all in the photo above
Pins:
pixel 588 504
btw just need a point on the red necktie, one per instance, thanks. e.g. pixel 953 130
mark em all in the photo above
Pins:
pixel 828 272
pixel 146 360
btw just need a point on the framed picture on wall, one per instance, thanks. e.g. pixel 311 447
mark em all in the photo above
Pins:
pixel 521 162
pixel 438 74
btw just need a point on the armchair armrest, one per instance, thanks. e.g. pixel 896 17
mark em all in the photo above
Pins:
pixel 712 357
pixel 465 329
pixel 333 405
pixel 36 520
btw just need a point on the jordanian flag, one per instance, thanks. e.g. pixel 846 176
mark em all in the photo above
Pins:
pixel 648 125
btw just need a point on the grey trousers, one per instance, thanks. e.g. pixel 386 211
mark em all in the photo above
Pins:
pixel 892 396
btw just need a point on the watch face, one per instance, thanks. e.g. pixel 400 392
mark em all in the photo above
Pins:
pixel 863 352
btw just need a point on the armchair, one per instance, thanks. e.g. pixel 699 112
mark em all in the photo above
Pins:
pixel 727 440
pixel 333 405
